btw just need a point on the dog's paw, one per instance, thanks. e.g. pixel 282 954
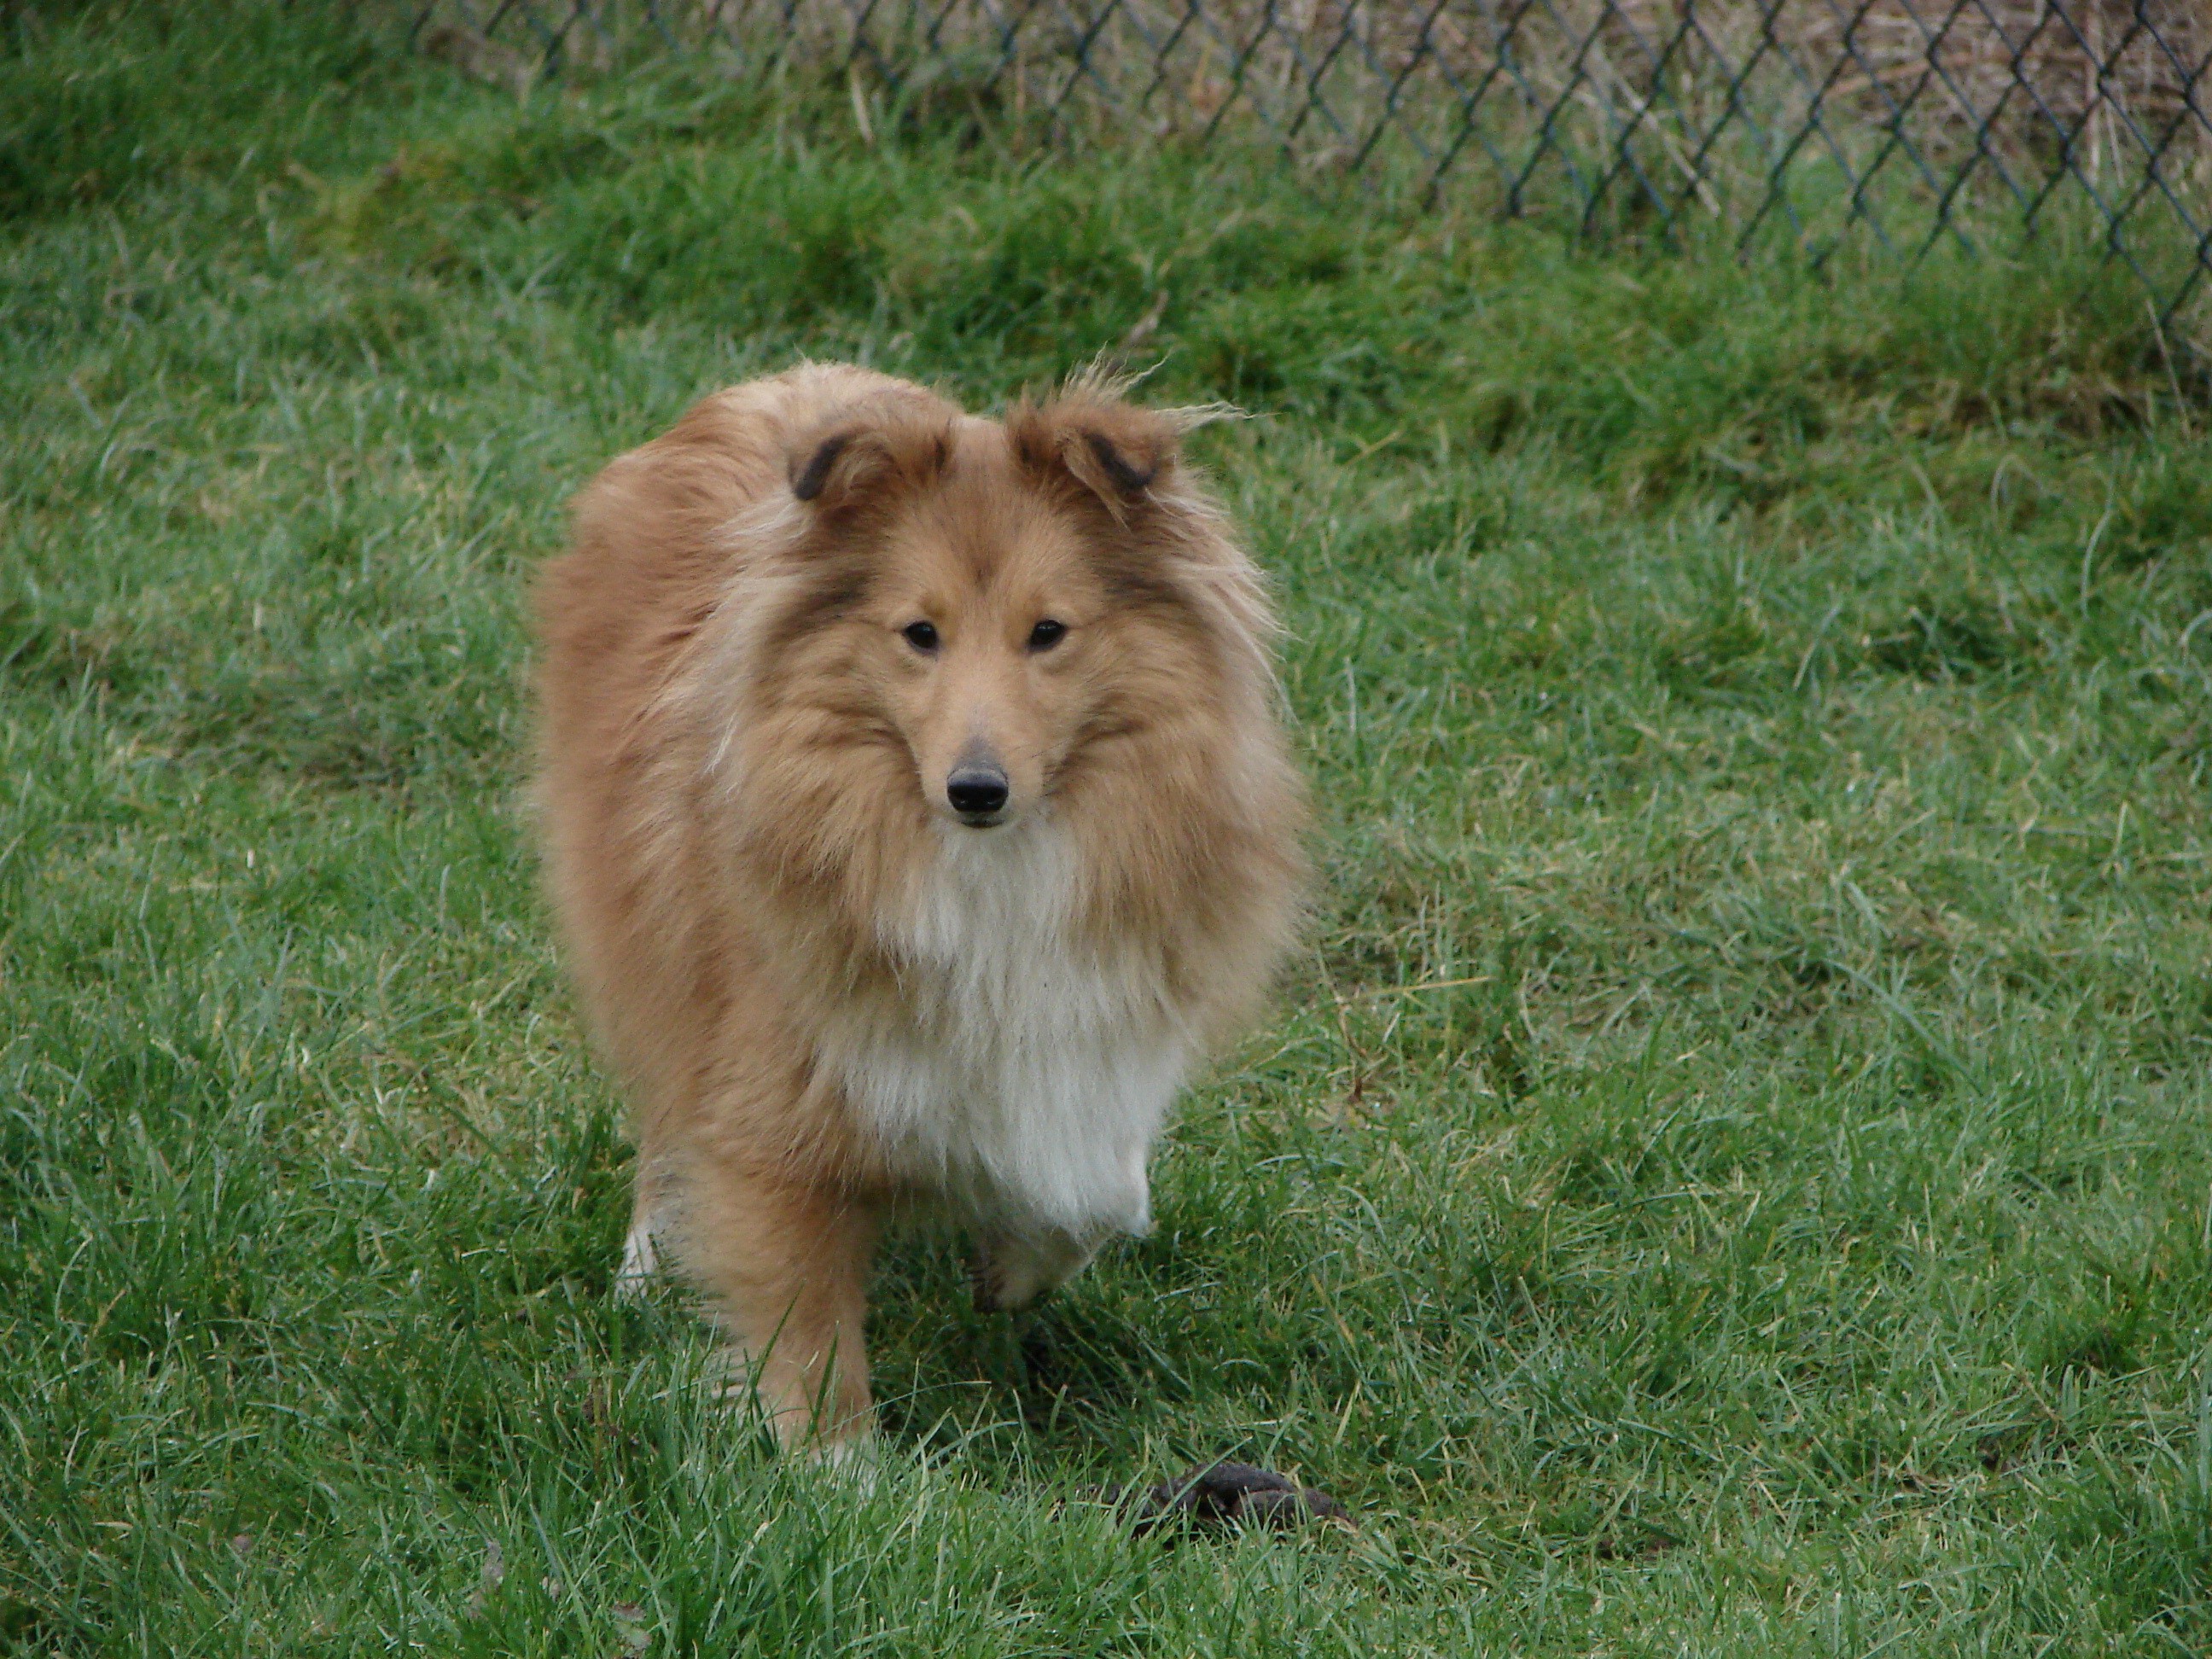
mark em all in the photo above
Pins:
pixel 640 1262
pixel 1225 1495
pixel 1011 1271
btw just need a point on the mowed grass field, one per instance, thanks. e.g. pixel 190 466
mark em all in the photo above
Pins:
pixel 1731 1175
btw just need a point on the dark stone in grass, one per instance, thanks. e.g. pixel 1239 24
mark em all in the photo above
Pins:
pixel 1220 1496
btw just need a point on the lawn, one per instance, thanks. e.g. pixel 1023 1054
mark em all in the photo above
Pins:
pixel 1730 1175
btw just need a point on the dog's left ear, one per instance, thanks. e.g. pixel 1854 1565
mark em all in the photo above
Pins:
pixel 1121 453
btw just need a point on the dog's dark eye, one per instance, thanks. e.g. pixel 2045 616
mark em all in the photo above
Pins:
pixel 1046 634
pixel 922 636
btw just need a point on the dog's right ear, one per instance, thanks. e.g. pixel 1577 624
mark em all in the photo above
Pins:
pixel 857 454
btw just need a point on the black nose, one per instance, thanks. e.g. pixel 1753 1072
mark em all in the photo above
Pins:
pixel 977 791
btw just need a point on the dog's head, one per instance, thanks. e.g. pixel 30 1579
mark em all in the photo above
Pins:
pixel 1000 614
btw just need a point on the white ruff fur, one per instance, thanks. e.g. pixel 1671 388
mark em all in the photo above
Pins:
pixel 1026 1075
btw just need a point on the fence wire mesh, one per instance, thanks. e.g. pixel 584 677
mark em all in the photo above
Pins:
pixel 1913 123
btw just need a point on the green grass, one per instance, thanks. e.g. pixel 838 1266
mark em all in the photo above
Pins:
pixel 1731 1176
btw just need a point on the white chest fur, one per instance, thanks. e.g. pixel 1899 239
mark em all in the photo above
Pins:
pixel 1020 1074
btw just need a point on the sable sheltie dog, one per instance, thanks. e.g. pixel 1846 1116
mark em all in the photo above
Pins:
pixel 917 815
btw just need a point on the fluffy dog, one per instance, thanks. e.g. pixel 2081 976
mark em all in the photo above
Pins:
pixel 917 814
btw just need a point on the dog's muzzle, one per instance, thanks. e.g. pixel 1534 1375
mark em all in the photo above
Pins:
pixel 977 792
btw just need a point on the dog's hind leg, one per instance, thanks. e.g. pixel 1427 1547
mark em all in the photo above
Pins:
pixel 648 1225
pixel 640 1261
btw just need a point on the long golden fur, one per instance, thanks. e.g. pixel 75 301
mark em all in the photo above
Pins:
pixel 917 815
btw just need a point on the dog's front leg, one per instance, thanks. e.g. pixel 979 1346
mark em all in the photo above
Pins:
pixel 787 1270
pixel 1014 1267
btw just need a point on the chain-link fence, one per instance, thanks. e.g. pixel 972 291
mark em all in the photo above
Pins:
pixel 1913 123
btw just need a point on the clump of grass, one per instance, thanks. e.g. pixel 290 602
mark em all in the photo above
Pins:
pixel 1729 1173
